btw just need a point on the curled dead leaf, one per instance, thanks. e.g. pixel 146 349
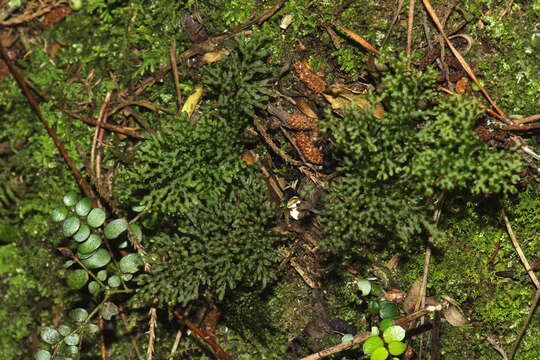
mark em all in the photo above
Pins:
pixel 395 296
pixel 454 316
pixel 413 296
pixel 305 108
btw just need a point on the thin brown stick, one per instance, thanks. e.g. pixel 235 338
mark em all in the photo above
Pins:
pixel 104 350
pixel 460 58
pixel 522 127
pixel 222 354
pixel 534 305
pixel 94 164
pixel 410 23
pixel 394 20
pixel 519 250
pixel 29 17
pixel 19 78
pixel 356 38
pixel 151 333
pixel 268 140
pixel 176 78
pixel 527 119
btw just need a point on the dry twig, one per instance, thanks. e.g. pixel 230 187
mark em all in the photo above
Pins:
pixel 151 333
pixel 222 354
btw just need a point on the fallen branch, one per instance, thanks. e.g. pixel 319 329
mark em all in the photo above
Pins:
pixel 20 79
pixel 222 354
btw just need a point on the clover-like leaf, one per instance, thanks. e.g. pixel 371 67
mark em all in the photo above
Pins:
pixel 83 207
pixel 50 335
pixel 42 355
pixel 98 259
pixel 59 214
pixel 96 217
pixel 72 339
pixel 77 279
pixel 130 263
pixel 71 198
pixel 82 234
pixel 388 310
pixel 371 344
pixel 397 348
pixel 115 228
pixel 78 314
pixel 379 354
pixel 385 324
pixel 364 286
pixel 89 245
pixel 71 225
pixel 394 333
pixel 109 310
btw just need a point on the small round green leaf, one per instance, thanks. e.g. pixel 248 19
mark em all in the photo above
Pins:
pixel 64 330
pixel 136 230
pixel 138 208
pixel 94 287
pixel 78 314
pixel 96 217
pixel 91 329
pixel 379 354
pixel 364 286
pixel 68 263
pixel 394 333
pixel 124 244
pixel 76 279
pixel 373 307
pixel 127 277
pixel 397 348
pixel 68 350
pixel 98 259
pixel 114 281
pixel 130 263
pixel 115 228
pixel 385 324
pixel 82 234
pixel 102 275
pixel 42 355
pixel 83 207
pixel 89 245
pixel 71 198
pixel 109 310
pixel 59 214
pixel 388 310
pixel 50 335
pixel 72 339
pixel 371 344
pixel 71 225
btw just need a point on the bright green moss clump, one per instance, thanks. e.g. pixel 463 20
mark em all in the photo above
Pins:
pixel 392 167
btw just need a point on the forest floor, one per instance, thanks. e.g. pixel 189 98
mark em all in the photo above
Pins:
pixel 274 179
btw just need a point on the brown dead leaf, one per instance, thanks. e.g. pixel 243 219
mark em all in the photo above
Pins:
pixel 305 108
pixel 250 157
pixel 393 262
pixel 413 296
pixel 455 317
pixel 395 296
pixel 462 85
pixel 55 15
